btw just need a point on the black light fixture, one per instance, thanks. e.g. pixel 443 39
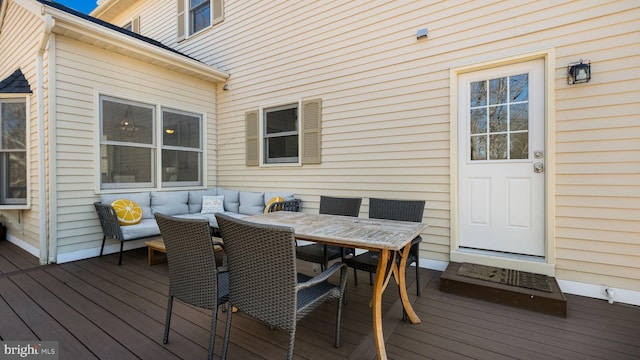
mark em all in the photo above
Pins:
pixel 579 72
pixel 127 125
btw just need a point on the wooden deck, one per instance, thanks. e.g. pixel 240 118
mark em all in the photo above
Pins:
pixel 97 309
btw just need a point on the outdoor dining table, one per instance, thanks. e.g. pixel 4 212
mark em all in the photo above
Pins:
pixel 389 237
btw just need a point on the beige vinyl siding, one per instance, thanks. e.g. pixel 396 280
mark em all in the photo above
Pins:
pixel 84 72
pixel 19 39
pixel 385 106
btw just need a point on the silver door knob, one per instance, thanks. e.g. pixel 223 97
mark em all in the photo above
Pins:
pixel 538 167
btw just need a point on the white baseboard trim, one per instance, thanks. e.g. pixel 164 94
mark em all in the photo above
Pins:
pixel 93 252
pixel 600 292
pixel 24 245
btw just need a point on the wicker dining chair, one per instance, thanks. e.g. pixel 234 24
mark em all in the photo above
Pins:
pixel 320 253
pixel 194 277
pixel 264 283
pixel 403 210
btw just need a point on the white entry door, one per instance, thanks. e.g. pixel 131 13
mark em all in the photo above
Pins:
pixel 501 159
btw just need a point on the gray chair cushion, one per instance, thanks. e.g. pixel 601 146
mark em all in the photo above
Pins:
pixel 145 228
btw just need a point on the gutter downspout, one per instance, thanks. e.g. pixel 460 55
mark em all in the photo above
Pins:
pixel 46 250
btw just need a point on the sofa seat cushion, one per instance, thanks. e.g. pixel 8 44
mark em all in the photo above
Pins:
pixel 145 228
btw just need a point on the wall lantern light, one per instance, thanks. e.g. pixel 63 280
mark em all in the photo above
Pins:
pixel 579 72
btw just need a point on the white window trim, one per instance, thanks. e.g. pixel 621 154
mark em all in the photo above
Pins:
pixel 27 205
pixel 157 131
pixel 261 119
pixel 161 146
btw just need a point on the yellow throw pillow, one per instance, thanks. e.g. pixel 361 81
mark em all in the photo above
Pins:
pixel 274 199
pixel 128 212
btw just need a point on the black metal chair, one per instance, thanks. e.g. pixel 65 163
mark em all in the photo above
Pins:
pixel 403 210
pixel 110 226
pixel 264 282
pixel 193 275
pixel 320 253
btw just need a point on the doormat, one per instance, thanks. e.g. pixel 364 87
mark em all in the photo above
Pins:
pixel 506 276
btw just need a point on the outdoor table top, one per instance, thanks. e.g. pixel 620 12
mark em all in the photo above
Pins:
pixel 372 234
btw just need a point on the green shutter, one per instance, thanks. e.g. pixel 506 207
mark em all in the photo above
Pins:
pixel 251 138
pixel 311 126
pixel 182 17
pixel 218 11
pixel 135 25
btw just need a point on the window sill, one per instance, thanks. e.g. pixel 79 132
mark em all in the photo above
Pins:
pixel 15 207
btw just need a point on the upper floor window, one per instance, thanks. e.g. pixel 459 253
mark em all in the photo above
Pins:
pixel 13 151
pixel 197 15
pixel 130 156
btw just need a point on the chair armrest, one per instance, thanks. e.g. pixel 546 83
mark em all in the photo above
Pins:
pixel 289 205
pixel 221 267
pixel 325 275
pixel 109 221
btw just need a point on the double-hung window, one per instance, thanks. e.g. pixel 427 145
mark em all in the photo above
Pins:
pixel 13 151
pixel 181 148
pixel 130 155
pixel 281 134
pixel 197 15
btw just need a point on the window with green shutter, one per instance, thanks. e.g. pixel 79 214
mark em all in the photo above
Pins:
pixel 197 15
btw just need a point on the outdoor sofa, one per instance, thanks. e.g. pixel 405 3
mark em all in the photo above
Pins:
pixel 186 204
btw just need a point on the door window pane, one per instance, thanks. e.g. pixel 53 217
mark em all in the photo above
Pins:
pixel 498 147
pixel 519 117
pixel 519 146
pixel 519 87
pixel 497 91
pixel 479 147
pixel 478 93
pixel 479 121
pixel 498 118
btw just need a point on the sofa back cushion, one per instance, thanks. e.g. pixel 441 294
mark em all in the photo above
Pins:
pixel 170 202
pixel 231 199
pixel 251 203
pixel 143 199
pixel 195 199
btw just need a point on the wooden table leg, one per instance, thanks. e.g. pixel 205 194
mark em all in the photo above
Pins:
pixel 399 272
pixel 378 289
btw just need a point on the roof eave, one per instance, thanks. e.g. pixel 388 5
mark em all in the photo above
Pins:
pixel 85 31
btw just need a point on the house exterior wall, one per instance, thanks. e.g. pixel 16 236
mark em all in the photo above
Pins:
pixel 386 114
pixel 83 73
pixel 20 36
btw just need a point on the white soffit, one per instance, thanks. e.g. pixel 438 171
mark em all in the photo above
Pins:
pixel 83 30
